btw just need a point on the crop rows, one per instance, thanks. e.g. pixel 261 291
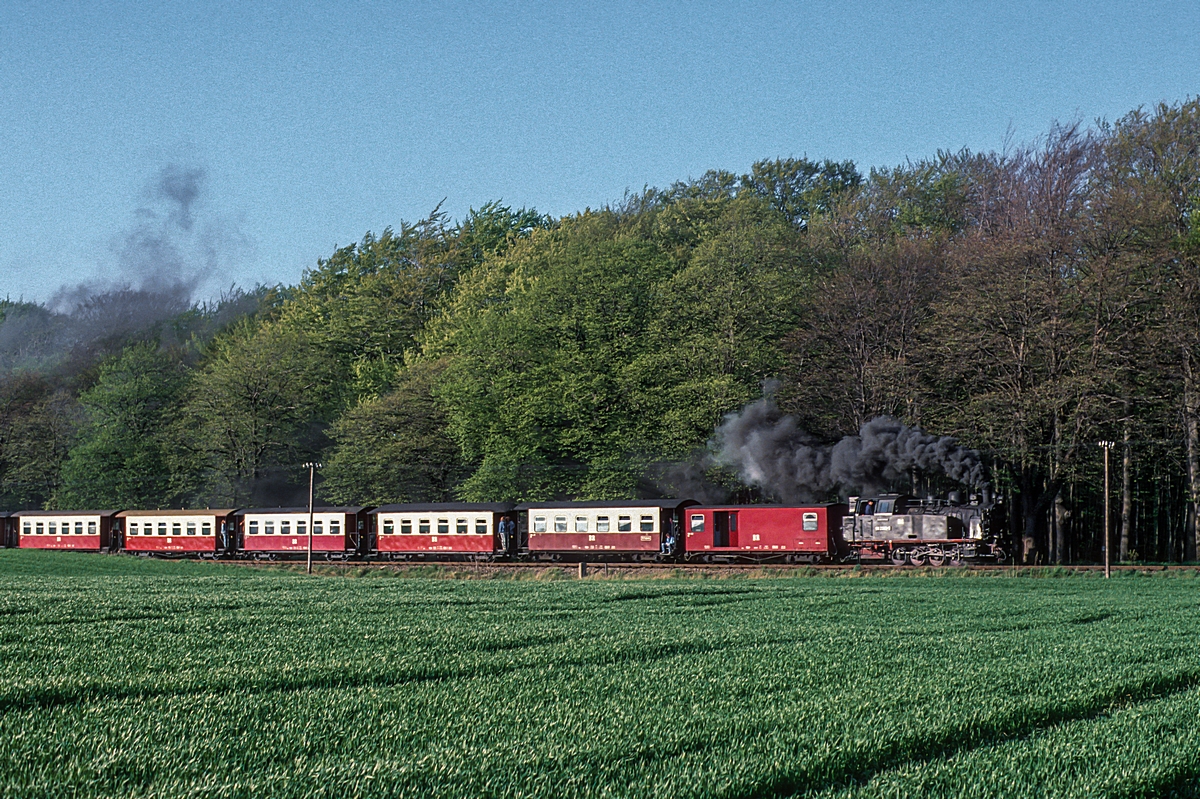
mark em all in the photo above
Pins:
pixel 207 681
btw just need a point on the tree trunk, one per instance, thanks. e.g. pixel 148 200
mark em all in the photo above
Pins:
pixel 1191 425
pixel 1126 498
pixel 1061 515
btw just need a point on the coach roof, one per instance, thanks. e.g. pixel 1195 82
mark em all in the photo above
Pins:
pixel 350 509
pixel 446 507
pixel 666 504
pixel 177 512
pixel 64 513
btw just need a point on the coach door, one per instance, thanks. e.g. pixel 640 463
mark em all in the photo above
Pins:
pixel 725 528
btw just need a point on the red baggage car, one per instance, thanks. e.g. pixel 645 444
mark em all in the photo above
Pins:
pixel 644 528
pixel 810 534
pixel 337 532
pixel 177 532
pixel 89 530
pixel 469 529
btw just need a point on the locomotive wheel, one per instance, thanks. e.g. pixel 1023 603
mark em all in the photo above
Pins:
pixel 937 557
pixel 899 557
pixel 918 557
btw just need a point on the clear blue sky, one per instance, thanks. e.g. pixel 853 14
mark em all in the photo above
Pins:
pixel 313 123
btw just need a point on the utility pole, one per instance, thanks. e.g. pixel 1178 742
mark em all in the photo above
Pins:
pixel 1107 446
pixel 312 473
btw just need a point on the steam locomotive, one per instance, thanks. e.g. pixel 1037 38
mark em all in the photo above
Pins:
pixel 890 528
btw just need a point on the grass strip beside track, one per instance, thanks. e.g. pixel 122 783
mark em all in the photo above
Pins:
pixel 125 677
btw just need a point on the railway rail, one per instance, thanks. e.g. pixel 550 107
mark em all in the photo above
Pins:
pixel 619 568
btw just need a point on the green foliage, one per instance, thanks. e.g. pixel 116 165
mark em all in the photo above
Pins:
pixel 598 348
pixel 366 303
pixel 925 687
pixel 799 188
pixel 36 424
pixel 713 337
pixel 121 458
pixel 538 339
pixel 252 412
pixel 393 448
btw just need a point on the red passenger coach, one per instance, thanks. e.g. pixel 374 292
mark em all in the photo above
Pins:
pixel 765 532
pixel 645 528
pixel 337 532
pixel 470 529
pixel 89 530
pixel 177 532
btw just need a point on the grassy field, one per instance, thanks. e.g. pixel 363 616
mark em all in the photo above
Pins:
pixel 133 678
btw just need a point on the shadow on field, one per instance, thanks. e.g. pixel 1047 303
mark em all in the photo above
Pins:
pixel 688 593
pixel 1181 782
pixel 45 697
pixel 854 769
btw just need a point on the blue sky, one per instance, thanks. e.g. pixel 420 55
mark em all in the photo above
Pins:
pixel 308 124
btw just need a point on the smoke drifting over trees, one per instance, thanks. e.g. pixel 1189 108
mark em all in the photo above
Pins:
pixel 770 450
pixel 157 267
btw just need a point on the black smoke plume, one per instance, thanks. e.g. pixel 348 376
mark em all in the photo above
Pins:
pixel 770 450
pixel 155 269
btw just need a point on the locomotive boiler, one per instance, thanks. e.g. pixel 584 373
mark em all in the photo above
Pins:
pixel 909 530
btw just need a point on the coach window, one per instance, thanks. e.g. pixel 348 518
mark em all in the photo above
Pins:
pixel 406 527
pixel 317 529
pixel 191 528
pixel 91 528
pixel 443 527
pixel 539 524
pixel 581 525
pixel 460 527
pixel 162 528
pixel 647 524
pixel 624 524
pixel 53 528
pixel 333 527
pixel 28 529
pixel 285 528
pixel 389 527
pixel 697 524
pixel 40 528
pixel 269 528
pixel 79 528
pixel 810 522
pixel 423 526
pixel 301 528
pixel 601 524
pixel 481 527
pixel 205 528
pixel 176 528
pixel 253 528
pixel 560 524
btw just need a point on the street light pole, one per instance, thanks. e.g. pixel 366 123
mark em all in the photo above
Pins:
pixel 312 469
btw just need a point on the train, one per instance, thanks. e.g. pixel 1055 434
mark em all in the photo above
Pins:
pixel 899 529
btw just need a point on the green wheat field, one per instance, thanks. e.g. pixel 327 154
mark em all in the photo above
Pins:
pixel 125 677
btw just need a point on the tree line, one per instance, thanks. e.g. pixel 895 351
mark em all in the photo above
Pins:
pixel 1032 302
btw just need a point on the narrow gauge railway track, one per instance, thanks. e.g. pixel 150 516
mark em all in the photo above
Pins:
pixel 619 568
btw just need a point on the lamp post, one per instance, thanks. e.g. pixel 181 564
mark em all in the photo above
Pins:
pixel 312 470
pixel 1107 447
